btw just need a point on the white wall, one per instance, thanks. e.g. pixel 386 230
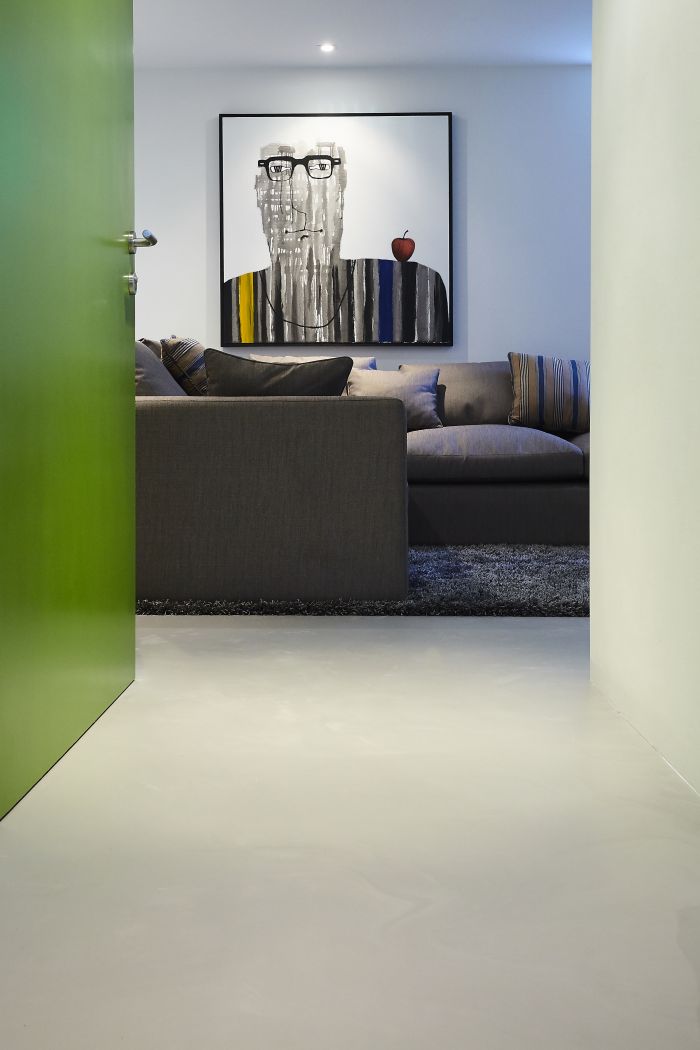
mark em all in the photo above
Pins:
pixel 646 369
pixel 521 193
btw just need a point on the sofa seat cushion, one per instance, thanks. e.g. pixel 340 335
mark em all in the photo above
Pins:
pixel 491 452
pixel 583 441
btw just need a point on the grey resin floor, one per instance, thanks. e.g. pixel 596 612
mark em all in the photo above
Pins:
pixel 354 834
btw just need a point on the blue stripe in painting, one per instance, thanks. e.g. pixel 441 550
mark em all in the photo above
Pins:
pixel 574 381
pixel 386 301
pixel 540 389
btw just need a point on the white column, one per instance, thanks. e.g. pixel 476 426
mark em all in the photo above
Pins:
pixel 645 335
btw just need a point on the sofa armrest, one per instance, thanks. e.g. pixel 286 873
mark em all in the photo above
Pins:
pixel 583 441
pixel 276 498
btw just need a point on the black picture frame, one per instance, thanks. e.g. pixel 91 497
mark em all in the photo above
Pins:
pixel 226 339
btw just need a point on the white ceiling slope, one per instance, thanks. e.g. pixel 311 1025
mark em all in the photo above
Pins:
pixel 220 33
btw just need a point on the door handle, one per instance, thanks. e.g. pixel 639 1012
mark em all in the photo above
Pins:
pixel 146 240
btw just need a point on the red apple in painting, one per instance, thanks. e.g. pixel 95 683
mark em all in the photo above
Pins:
pixel 403 247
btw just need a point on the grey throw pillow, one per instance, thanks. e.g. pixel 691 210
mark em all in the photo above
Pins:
pixel 418 391
pixel 357 362
pixel 232 376
pixel 152 377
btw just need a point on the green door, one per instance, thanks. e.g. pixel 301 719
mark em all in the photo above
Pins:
pixel 66 386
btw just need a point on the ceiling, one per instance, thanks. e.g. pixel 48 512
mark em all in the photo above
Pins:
pixel 219 33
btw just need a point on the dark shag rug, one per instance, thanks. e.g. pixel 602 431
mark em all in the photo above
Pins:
pixel 498 580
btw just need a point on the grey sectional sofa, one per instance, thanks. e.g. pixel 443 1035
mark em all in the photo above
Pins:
pixel 306 498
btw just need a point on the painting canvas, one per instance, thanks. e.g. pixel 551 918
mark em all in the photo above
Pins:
pixel 336 229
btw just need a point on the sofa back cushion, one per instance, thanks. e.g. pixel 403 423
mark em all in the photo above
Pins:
pixel 472 392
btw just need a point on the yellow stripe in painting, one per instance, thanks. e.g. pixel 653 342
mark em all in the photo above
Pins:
pixel 246 315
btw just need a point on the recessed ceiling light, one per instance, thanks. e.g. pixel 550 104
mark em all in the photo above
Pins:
pixel 327 47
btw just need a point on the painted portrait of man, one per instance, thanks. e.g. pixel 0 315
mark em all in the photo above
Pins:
pixel 310 292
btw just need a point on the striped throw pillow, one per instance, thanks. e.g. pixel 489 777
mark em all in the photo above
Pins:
pixel 550 393
pixel 184 359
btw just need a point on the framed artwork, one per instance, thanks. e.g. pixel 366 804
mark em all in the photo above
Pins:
pixel 336 228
